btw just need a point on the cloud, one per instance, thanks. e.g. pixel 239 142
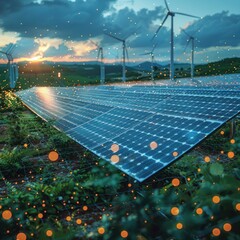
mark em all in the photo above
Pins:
pixel 77 20
pixel 220 29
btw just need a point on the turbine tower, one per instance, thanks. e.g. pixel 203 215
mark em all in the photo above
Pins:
pixel 124 53
pixel 190 39
pixel 172 15
pixel 152 60
pixel 101 63
pixel 12 67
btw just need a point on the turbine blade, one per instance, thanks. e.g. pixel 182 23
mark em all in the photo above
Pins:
pixel 185 32
pixel 184 14
pixel 94 43
pixel 160 26
pixel 188 41
pixel 127 54
pixel 167 5
pixel 143 54
pixel 119 39
pixel 154 48
pixel 98 54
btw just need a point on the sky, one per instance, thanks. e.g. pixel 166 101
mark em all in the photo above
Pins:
pixel 66 30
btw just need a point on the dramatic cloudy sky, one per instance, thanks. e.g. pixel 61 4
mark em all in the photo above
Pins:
pixel 63 30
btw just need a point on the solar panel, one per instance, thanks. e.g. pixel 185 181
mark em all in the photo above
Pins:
pixel 152 126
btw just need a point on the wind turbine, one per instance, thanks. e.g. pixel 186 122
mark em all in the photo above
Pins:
pixel 12 67
pixel 152 60
pixel 102 67
pixel 172 15
pixel 124 53
pixel 190 39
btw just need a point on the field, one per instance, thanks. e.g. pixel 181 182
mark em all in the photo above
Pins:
pixel 53 188
pixel 46 74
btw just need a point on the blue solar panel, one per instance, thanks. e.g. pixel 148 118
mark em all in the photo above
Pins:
pixel 151 126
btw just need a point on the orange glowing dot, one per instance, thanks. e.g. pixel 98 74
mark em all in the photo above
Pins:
pixel 49 233
pixel 124 234
pixel 199 211
pixel 85 208
pixel 222 152
pixel 175 182
pixel 115 148
pixel 153 145
pixel 21 236
pixel 216 232
pixel 25 145
pixel 207 159
pixel 68 218
pixel 231 154
pixel 232 141
pixel 175 154
pixel 53 156
pixel 222 132
pixel 40 215
pixel 199 170
pixel 174 211
pixel 7 214
pixel 129 185
pixel 115 158
pixel 179 226
pixel 227 227
pixel 78 221
pixel 238 206
pixel 101 230
pixel 216 199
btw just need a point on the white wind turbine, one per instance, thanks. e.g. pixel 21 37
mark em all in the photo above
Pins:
pixel 101 63
pixel 190 39
pixel 124 53
pixel 12 67
pixel 151 53
pixel 172 15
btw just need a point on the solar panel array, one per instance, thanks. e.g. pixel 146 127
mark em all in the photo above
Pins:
pixel 139 129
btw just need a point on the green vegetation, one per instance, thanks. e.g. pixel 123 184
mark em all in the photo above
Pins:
pixel 46 74
pixel 79 196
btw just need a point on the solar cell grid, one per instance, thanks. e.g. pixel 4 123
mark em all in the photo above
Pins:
pixel 174 118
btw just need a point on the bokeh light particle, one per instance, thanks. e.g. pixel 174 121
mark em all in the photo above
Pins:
pixel 21 236
pixel 115 148
pixel 227 227
pixel 78 221
pixel 101 230
pixel 115 159
pixel 238 206
pixel 49 233
pixel 53 156
pixel 207 159
pixel 175 154
pixel 68 218
pixel 124 234
pixel 230 154
pixel 175 182
pixel 153 145
pixel 40 215
pixel 199 211
pixel 85 208
pixel 216 232
pixel 179 226
pixel 216 199
pixel 174 211
pixel 7 215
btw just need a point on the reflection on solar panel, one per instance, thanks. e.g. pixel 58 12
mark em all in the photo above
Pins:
pixel 151 125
